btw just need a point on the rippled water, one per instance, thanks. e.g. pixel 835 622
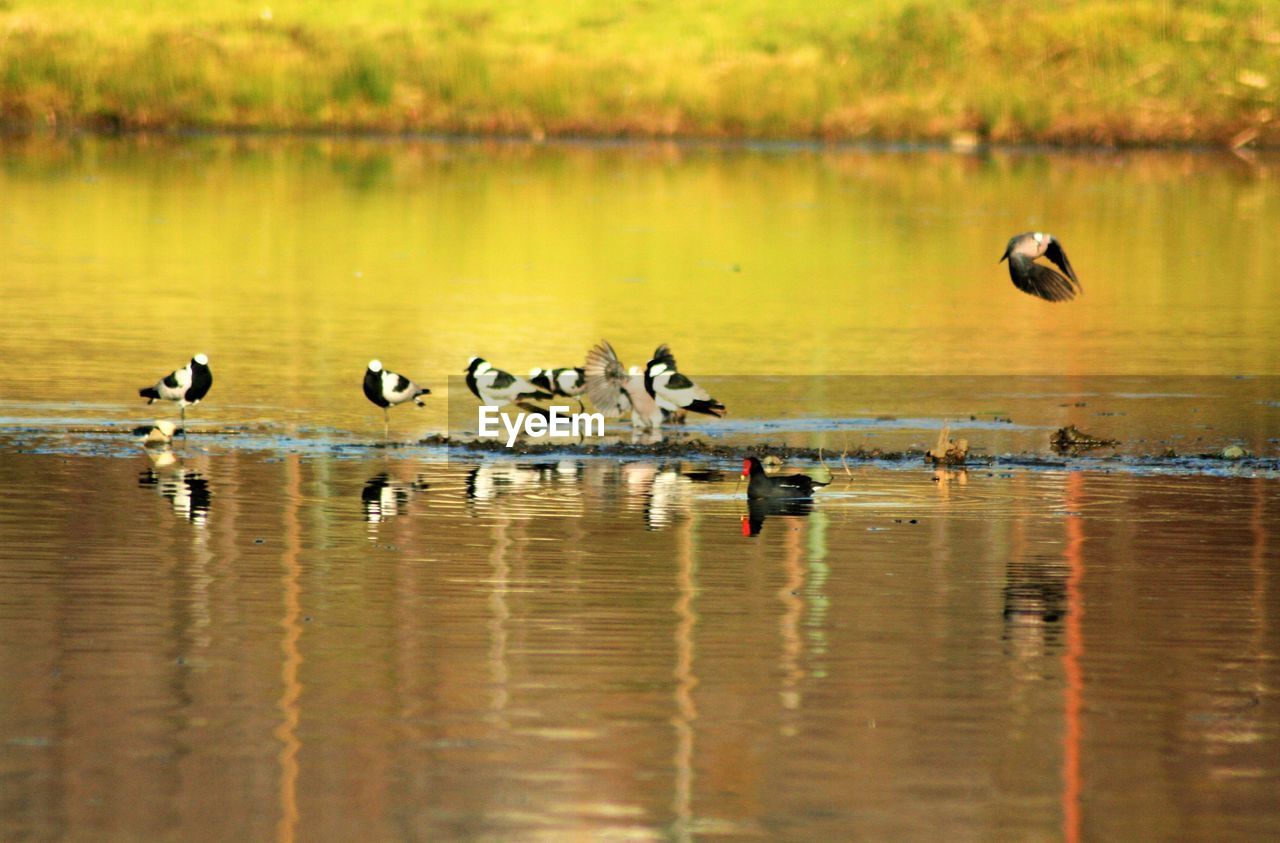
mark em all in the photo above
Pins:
pixel 275 631
pixel 238 647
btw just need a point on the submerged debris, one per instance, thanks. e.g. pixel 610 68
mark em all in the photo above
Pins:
pixel 1072 440
pixel 948 451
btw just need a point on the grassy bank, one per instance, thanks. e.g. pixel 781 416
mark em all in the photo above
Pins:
pixel 1093 71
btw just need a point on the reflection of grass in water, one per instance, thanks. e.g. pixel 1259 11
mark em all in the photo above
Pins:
pixel 1094 70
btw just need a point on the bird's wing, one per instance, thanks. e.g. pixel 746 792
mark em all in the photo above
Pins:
pixel 677 389
pixel 500 380
pixel 397 387
pixel 606 377
pixel 179 379
pixel 1055 253
pixel 508 387
pixel 1039 280
pixel 571 381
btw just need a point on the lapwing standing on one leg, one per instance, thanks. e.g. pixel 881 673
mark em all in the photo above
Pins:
pixel 186 386
pixel 496 388
pixel 1036 278
pixel 386 389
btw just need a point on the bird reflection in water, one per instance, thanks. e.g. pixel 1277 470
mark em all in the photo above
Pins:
pixel 491 480
pixel 665 491
pixel 384 498
pixel 186 489
pixel 758 509
pixel 1035 602
pixel 667 498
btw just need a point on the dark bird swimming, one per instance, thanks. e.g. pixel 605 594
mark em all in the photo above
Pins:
pixel 763 485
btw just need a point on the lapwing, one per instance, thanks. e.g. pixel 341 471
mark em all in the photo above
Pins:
pixel 387 389
pixel 673 391
pixel 763 485
pixel 496 388
pixel 567 382
pixel 186 386
pixel 1036 278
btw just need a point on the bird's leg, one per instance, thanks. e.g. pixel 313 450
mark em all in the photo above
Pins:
pixel 182 411
pixel 386 425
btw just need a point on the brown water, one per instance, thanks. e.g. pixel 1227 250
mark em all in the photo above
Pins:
pixel 276 632
pixel 240 647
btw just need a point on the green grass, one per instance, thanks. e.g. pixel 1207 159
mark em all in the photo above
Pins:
pixel 1091 71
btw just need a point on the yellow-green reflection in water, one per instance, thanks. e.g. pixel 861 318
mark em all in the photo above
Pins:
pixel 293 262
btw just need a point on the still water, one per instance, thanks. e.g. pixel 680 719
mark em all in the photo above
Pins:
pixel 274 631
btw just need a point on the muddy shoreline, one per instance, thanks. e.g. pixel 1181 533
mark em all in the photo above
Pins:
pixel 701 449
pixel 38 440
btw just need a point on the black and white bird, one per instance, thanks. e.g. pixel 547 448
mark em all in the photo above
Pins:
pixel 1036 278
pixel 496 388
pixel 614 391
pixel 673 391
pixel 653 395
pixel 387 389
pixel 186 386
pixel 567 382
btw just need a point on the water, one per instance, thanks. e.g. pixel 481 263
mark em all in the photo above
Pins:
pixel 274 631
pixel 234 646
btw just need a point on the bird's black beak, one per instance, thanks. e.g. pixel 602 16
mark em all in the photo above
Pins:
pixel 1002 257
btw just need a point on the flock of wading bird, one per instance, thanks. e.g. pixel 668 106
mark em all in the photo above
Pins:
pixel 653 395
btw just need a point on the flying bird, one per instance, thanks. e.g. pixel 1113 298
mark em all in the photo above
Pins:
pixel 496 388
pixel 763 485
pixel 185 386
pixel 567 382
pixel 1036 278
pixel 675 392
pixel 387 389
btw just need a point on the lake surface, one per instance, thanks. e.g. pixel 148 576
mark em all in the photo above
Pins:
pixel 277 631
